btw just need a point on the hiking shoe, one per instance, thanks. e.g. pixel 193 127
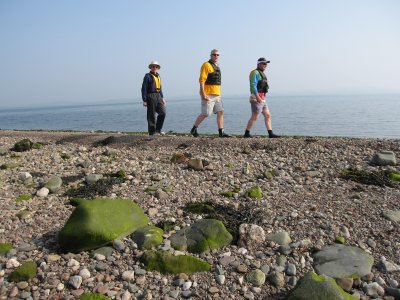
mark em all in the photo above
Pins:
pixel 224 135
pixel 194 132
pixel 247 135
pixel 274 136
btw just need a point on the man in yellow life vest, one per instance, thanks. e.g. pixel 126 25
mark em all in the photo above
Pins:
pixel 210 93
pixel 153 99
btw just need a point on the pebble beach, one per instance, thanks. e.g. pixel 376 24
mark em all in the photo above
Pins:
pixel 305 199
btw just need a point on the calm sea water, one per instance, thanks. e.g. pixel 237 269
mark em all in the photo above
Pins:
pixel 354 116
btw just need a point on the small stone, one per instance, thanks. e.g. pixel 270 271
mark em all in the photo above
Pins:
pixel 256 277
pixel 277 279
pixel 118 245
pixel 60 287
pixel 22 285
pixel 213 290
pixel 291 270
pixel 368 277
pixel 53 258
pixel 242 268
pixel 128 275
pixel 43 192
pixel 187 285
pixel 371 243
pixel 12 263
pixel 374 289
pixel 265 269
pixel 220 279
pixel 84 273
pixel 75 281
pixel 393 283
pixel 345 283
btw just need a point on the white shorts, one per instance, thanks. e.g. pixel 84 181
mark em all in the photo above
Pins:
pixel 213 105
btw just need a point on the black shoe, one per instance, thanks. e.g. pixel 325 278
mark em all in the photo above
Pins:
pixel 194 132
pixel 274 136
pixel 224 135
pixel 247 135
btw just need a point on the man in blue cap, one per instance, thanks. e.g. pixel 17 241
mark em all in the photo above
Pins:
pixel 258 89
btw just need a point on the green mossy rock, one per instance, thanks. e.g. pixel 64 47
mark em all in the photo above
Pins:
pixel 254 193
pixel 151 189
pixel 227 194
pixel 92 296
pixel 199 208
pixel 4 248
pixel 394 176
pixel 315 287
pixel 24 272
pixel 203 236
pixel 340 240
pixel 165 262
pixel 53 184
pixel 148 236
pixel 8 166
pixel 94 223
pixel 22 146
pixel 37 146
pixel 24 197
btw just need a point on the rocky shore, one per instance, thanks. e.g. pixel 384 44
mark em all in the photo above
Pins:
pixel 286 202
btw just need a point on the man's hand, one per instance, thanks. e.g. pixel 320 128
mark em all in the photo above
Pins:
pixel 259 100
pixel 164 101
pixel 144 103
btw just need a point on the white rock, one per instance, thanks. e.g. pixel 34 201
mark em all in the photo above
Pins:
pixel 187 285
pixel 221 279
pixel 72 263
pixel 75 281
pixel 84 273
pixel 251 236
pixel 373 289
pixel 24 176
pixel 128 275
pixel 242 251
pixel 60 287
pixel 126 296
pixel 393 283
pixel 43 192
pixel 12 263
pixel 99 257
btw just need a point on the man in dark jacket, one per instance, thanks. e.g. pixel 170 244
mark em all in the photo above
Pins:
pixel 153 99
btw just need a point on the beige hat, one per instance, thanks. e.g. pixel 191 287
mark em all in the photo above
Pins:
pixel 154 63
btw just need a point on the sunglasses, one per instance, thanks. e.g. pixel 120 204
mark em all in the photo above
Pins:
pixel 154 66
pixel 215 54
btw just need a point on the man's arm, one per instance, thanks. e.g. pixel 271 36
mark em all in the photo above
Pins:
pixel 204 71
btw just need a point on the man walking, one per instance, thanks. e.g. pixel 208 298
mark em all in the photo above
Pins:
pixel 258 89
pixel 210 93
pixel 153 99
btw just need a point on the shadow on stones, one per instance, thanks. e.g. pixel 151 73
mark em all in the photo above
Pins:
pixel 379 178
pixel 49 241
pixel 231 217
pixel 103 187
pixel 69 179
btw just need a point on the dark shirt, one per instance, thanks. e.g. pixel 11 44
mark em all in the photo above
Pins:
pixel 149 86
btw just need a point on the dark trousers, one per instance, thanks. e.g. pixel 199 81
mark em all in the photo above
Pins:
pixel 155 105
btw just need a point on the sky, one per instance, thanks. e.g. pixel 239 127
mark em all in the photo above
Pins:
pixel 70 52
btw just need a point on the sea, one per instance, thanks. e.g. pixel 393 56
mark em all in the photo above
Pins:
pixel 374 116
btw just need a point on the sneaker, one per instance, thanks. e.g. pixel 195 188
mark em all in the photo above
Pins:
pixel 194 132
pixel 159 133
pixel 224 135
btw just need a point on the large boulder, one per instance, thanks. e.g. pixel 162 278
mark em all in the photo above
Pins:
pixel 392 215
pixel 384 158
pixel 148 236
pixel 204 235
pixel 94 223
pixel 314 287
pixel 339 261
pixel 165 262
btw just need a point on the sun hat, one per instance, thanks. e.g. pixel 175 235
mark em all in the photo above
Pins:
pixel 154 63
pixel 262 60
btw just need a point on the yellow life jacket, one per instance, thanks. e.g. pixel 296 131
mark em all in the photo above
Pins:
pixel 157 81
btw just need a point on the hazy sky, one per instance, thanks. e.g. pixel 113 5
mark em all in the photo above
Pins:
pixel 86 51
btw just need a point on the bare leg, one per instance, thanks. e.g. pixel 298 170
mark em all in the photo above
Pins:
pixel 220 119
pixel 199 119
pixel 252 120
pixel 267 117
